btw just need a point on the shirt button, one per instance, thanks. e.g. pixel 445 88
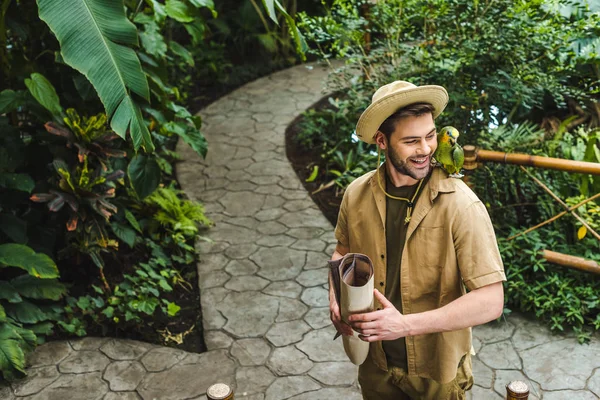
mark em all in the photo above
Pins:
pixel 380 283
pixel 382 256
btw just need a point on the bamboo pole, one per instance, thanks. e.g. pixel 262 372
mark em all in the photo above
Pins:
pixel 562 203
pixel 474 154
pixel 574 262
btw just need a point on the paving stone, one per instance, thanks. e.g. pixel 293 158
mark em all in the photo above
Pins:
pixel 248 314
pixel 504 377
pixel 319 347
pixel 87 343
pixel 330 249
pixel 309 244
pixel 242 203
pixel 292 183
pixel 329 394
pixel 246 222
pixel 123 376
pixel 275 241
pixel 204 248
pixel 212 279
pixel 240 163
pixel 594 383
pixel 479 393
pixel 569 394
pixel 246 283
pixel 493 332
pixel 476 343
pixel 251 351
pixel 6 393
pixel 335 373
pixel 289 361
pixel 268 167
pixel 313 277
pixel 289 386
pixel 296 195
pixel 318 317
pixel 50 353
pixel 241 251
pixel 288 289
pixel 305 233
pixel 269 215
pixel 122 396
pixel 83 361
pixel 316 260
pixel 484 376
pixel 315 297
pixel 271 228
pixel 290 309
pixel 214 172
pixel 212 262
pixel 272 201
pixel 253 379
pixel 500 355
pixel 123 350
pixel 242 186
pixel 213 296
pixel 185 381
pixel 298 205
pixel 36 380
pixel 232 234
pixel 264 156
pixel 530 333
pixel 269 189
pixel 279 263
pixel 557 365
pixel 244 152
pixel 305 218
pixel 241 267
pixel 212 319
pixel 217 340
pixel 284 333
pixel 74 386
pixel 162 358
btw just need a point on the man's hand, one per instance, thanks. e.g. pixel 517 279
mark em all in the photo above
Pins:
pixel 336 317
pixel 386 324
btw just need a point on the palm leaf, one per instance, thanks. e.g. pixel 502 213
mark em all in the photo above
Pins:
pixel 94 36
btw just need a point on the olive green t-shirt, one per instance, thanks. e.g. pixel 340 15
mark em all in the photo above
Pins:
pixel 395 237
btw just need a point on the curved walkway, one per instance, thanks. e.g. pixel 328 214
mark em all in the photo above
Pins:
pixel 263 288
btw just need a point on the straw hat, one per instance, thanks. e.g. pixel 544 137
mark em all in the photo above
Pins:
pixel 390 98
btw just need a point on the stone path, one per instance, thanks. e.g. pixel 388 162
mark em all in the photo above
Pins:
pixel 263 288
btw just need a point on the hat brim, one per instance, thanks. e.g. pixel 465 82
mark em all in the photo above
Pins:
pixel 372 118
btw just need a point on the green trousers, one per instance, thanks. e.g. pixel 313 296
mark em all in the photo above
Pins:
pixel 395 384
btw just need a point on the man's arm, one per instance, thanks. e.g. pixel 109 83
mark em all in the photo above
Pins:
pixel 334 309
pixel 476 307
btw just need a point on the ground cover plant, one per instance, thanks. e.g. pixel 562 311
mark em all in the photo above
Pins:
pixel 95 236
pixel 523 77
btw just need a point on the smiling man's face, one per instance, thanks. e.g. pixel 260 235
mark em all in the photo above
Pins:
pixel 412 145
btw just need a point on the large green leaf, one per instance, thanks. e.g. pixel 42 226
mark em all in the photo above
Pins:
pixel 21 256
pixel 270 7
pixel 152 40
pixel 43 91
pixel 35 288
pixel 179 11
pixel 144 174
pixel 8 292
pixel 94 36
pixel 192 136
pixel 2 314
pixel 125 233
pixel 10 100
pixel 25 312
pixel 22 182
pixel 11 355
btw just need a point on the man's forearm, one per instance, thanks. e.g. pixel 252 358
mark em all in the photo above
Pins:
pixel 475 308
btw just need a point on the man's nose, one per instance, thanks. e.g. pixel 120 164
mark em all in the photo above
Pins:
pixel 424 147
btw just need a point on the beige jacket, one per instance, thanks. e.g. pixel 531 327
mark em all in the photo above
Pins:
pixel 450 244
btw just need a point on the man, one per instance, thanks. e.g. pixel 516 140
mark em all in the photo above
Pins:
pixel 429 237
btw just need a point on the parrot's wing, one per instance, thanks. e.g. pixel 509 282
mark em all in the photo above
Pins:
pixel 458 156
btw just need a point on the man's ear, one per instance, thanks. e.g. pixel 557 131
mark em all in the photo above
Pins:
pixel 381 140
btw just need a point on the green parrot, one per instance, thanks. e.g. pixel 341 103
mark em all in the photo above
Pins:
pixel 449 153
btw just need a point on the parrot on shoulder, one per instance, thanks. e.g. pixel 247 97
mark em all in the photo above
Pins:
pixel 449 153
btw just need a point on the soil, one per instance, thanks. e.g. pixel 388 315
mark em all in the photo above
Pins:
pixel 303 160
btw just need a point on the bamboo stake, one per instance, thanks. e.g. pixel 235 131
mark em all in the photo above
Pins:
pixel 557 216
pixel 567 260
pixel 533 161
pixel 566 207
